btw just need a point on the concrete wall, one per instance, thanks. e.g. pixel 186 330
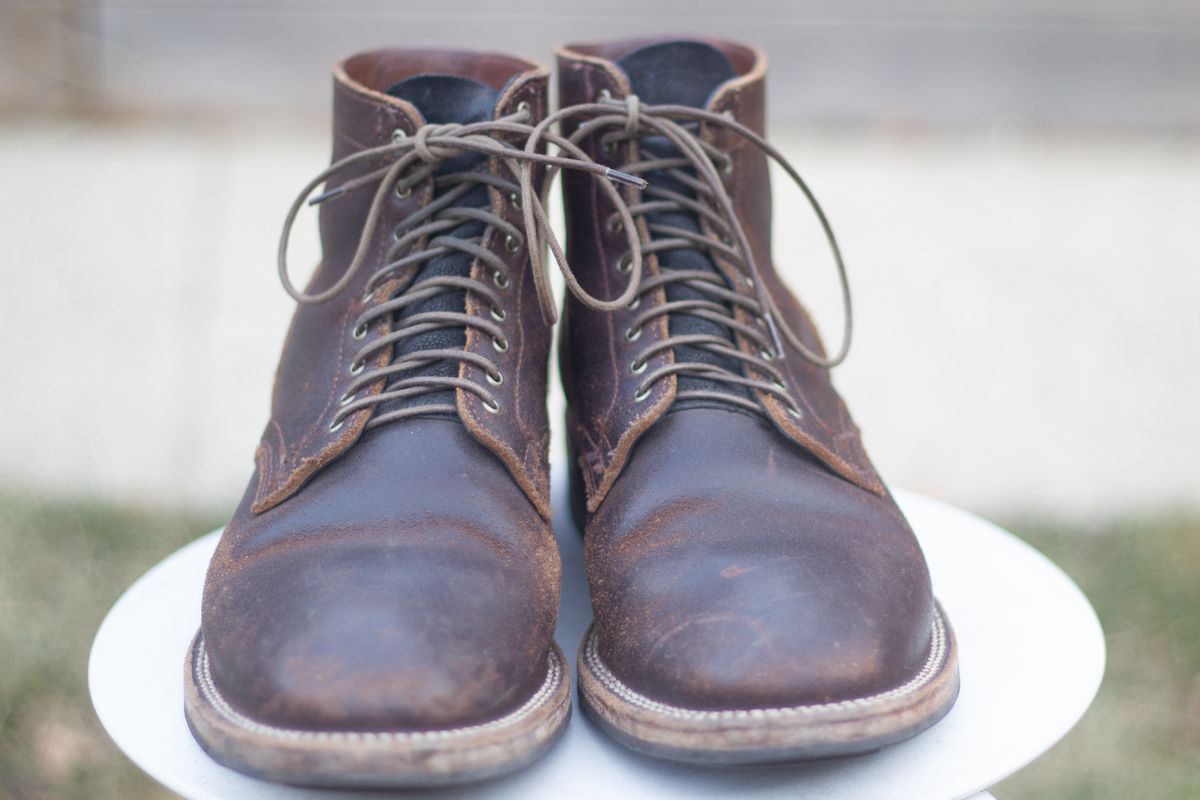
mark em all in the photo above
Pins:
pixel 1108 63
pixel 1019 217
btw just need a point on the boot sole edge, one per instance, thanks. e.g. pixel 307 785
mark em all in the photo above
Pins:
pixel 375 759
pixel 777 735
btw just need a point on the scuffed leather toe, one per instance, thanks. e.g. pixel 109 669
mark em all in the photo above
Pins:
pixel 752 578
pixel 429 611
pixel 342 645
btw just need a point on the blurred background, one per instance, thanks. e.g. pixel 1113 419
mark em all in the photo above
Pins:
pixel 1016 186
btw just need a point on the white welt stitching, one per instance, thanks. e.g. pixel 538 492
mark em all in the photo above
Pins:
pixel 937 655
pixel 554 676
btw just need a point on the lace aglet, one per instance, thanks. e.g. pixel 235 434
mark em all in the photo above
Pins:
pixel 326 195
pixel 625 178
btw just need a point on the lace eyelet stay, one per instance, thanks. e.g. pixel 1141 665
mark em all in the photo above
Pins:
pixel 500 279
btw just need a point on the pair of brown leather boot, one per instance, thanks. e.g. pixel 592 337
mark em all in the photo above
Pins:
pixel 381 607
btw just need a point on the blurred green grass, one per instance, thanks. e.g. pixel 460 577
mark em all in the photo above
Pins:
pixel 1141 738
pixel 64 562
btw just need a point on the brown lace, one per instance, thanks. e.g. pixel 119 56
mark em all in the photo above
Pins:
pixel 413 160
pixel 698 165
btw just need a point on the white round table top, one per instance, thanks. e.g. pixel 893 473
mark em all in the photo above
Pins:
pixel 1031 650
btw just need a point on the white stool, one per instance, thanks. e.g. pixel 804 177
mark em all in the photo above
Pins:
pixel 1032 656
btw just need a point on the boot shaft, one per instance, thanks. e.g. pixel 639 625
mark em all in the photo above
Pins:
pixel 604 355
pixel 321 406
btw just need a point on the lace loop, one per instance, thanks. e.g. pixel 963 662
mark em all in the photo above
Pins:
pixel 426 233
pixel 698 165
pixel 410 161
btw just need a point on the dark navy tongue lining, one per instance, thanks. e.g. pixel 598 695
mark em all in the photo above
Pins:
pixel 683 73
pixel 445 99
pixel 679 73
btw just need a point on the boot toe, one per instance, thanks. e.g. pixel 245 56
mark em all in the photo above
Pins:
pixel 374 637
pixel 768 630
pixel 756 580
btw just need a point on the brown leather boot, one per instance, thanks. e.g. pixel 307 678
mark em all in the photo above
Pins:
pixel 758 595
pixel 381 607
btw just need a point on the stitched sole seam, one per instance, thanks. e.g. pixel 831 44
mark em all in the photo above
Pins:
pixel 937 655
pixel 209 691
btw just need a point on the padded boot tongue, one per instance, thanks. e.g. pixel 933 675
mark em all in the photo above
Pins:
pixel 683 73
pixel 677 73
pixel 443 99
pixel 447 98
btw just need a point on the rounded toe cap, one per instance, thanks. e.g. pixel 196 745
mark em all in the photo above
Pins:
pixel 786 618
pixel 372 637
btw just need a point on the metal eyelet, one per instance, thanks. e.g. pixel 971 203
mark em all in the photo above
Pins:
pixel 359 332
pixel 749 282
pixel 778 383
pixel 637 301
pixel 633 334
pixel 727 167
pixel 500 279
pixel 615 224
pixel 637 367
pixel 603 95
pixel 499 314
pixel 492 406
pixel 766 355
pixel 357 367
pixel 511 244
pixel 515 199
pixel 347 399
pixel 641 394
pixel 501 345
pixel 334 427
pixel 795 412
pixel 523 105
pixel 397 235
pixel 726 240
pixel 398 136
pixel 609 146
pixel 624 264
pixel 496 381
pixel 404 193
